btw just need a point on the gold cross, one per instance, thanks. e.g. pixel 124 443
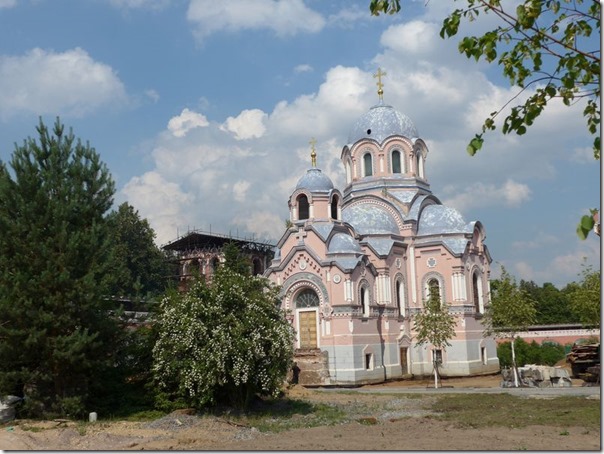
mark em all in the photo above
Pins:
pixel 380 85
pixel 313 153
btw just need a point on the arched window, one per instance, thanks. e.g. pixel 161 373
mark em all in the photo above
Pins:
pixel 400 297
pixel 396 161
pixel 433 289
pixel 368 169
pixel 307 298
pixel 334 206
pixel 257 266
pixel 365 300
pixel 420 166
pixel 215 262
pixel 348 172
pixel 476 297
pixel 303 207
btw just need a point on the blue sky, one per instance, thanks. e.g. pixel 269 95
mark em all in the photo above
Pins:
pixel 203 111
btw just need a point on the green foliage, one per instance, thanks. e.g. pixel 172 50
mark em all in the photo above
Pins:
pixel 585 297
pixel 222 342
pixel 434 325
pixel 511 310
pixel 384 6
pixel 235 260
pixel 55 335
pixel 552 305
pixel 140 269
pixel 548 353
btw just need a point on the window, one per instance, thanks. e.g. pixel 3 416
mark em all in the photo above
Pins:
pixel 475 296
pixel 437 356
pixel 433 289
pixel 368 169
pixel 396 161
pixel 368 361
pixel 307 298
pixel 400 297
pixel 483 355
pixel 365 301
pixel 303 207
pixel 257 266
pixel 334 207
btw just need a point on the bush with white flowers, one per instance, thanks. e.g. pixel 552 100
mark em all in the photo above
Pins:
pixel 222 342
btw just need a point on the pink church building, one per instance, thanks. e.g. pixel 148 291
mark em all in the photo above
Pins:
pixel 356 265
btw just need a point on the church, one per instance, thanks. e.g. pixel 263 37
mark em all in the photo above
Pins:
pixel 355 265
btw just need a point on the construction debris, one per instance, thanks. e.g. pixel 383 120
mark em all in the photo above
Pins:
pixel 535 376
pixel 582 357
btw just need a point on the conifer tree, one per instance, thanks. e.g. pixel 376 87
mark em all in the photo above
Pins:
pixel 55 336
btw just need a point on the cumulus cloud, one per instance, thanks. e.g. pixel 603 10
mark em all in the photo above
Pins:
pixel 283 17
pixel 477 195
pixel 156 5
pixel 247 125
pixel 304 68
pixel 187 120
pixel 66 83
pixel 7 3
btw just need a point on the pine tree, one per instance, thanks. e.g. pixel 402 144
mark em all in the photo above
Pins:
pixel 55 337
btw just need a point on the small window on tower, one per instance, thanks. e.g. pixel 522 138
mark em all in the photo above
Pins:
pixel 367 165
pixel 396 161
pixel 303 207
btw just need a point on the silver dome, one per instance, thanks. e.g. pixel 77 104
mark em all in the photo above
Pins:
pixel 381 122
pixel 437 219
pixel 369 218
pixel 315 180
pixel 343 243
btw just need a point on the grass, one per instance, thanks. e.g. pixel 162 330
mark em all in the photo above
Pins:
pixel 504 410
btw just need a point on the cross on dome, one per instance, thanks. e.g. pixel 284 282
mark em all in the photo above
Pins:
pixel 379 84
pixel 313 153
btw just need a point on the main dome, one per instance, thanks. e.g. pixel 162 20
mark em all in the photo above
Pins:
pixel 315 180
pixel 380 122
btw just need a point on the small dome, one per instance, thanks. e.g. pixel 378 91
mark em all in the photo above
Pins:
pixel 381 122
pixel 369 218
pixel 315 180
pixel 343 243
pixel 437 219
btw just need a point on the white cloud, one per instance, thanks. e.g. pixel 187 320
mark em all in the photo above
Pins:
pixel 304 68
pixel 162 202
pixel 478 195
pixel 8 3
pixel 156 5
pixel 412 38
pixel 284 17
pixel 153 95
pixel 240 189
pixel 67 83
pixel 248 124
pixel 187 120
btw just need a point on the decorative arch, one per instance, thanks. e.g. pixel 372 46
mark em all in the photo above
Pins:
pixel 428 281
pixel 299 281
pixel 364 297
pixel 400 294
pixel 477 290
pixel 367 164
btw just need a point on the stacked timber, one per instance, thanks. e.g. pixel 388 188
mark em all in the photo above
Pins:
pixel 582 357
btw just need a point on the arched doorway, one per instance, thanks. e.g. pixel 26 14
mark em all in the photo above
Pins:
pixel 307 306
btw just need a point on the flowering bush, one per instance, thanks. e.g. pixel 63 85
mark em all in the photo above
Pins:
pixel 222 342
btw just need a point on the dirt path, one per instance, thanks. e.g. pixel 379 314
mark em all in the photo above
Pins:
pixel 396 423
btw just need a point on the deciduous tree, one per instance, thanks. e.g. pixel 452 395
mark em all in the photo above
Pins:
pixel 511 311
pixel 585 298
pixel 436 326
pixel 222 342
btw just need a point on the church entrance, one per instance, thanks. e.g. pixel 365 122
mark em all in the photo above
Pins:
pixel 404 363
pixel 307 332
pixel 307 305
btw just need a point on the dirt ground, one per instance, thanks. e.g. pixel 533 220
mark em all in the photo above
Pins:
pixel 398 423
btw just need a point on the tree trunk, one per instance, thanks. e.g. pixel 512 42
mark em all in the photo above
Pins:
pixel 435 374
pixel 514 367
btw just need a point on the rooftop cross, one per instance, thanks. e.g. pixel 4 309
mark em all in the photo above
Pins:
pixel 313 153
pixel 380 85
